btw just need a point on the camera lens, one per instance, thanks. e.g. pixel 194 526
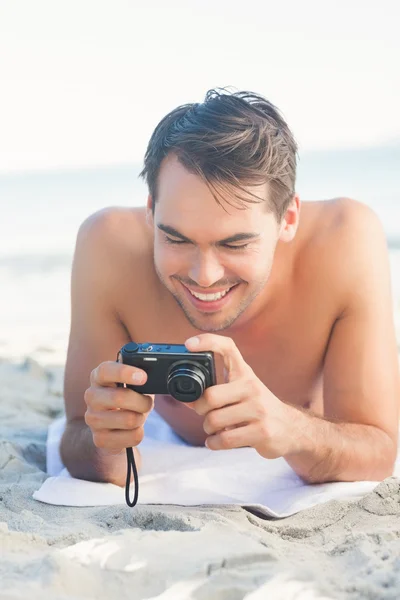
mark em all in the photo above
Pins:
pixel 186 382
pixel 184 385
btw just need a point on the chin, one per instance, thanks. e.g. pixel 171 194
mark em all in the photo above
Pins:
pixel 210 323
pixel 209 328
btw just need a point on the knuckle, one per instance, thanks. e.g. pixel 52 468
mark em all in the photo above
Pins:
pixel 211 401
pixel 100 439
pixel 251 385
pixel 131 420
pixel 209 395
pixel 226 439
pixel 137 436
pixel 258 414
pixel 206 426
pixel 259 410
pixel 150 404
pixel 97 421
pixel 93 376
pixel 264 429
pixel 140 419
pixel 142 403
pixel 100 371
pixel 88 396
pixel 96 373
pixel 211 421
pixel 88 416
pixel 231 343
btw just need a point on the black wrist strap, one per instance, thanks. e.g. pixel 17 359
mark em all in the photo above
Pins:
pixel 130 459
pixel 131 465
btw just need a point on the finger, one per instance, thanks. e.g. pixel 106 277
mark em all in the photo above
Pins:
pixel 109 373
pixel 118 438
pixel 99 398
pixel 114 419
pixel 239 437
pixel 235 415
pixel 217 396
pixel 234 363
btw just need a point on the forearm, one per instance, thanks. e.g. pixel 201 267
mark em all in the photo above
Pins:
pixel 327 451
pixel 85 461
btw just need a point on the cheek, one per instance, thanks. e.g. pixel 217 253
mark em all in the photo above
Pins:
pixel 167 260
pixel 247 267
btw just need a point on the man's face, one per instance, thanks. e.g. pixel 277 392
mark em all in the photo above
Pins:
pixel 195 248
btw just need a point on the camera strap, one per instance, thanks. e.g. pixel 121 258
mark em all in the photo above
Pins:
pixel 131 466
pixel 130 459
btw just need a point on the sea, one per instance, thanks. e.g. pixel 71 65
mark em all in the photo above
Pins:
pixel 42 211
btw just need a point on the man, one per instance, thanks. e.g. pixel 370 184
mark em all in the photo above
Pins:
pixel 297 308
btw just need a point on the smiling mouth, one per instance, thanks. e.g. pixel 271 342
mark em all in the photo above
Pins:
pixel 210 297
pixel 213 303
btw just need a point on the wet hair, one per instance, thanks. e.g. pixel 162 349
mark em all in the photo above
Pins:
pixel 230 140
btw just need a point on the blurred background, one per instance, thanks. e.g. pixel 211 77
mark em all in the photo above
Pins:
pixel 85 82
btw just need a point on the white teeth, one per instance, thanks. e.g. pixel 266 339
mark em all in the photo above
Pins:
pixel 210 297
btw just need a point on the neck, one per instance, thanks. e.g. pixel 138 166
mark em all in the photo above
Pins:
pixel 263 313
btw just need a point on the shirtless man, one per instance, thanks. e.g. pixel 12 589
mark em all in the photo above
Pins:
pixel 308 358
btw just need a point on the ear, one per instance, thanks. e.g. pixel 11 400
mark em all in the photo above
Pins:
pixel 290 221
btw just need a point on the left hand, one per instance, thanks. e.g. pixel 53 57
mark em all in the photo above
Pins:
pixel 242 412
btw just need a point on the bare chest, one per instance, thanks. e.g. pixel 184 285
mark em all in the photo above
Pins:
pixel 287 358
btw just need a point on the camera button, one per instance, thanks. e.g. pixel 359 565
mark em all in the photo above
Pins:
pixel 131 347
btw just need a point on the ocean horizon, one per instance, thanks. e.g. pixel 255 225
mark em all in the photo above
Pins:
pixel 42 212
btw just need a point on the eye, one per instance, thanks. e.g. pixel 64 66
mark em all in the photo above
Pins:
pixel 171 241
pixel 236 247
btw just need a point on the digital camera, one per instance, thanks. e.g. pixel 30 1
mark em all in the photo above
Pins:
pixel 171 369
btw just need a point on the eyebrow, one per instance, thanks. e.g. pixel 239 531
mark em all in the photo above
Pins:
pixel 238 237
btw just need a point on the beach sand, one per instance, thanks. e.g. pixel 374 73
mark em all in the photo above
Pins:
pixel 339 549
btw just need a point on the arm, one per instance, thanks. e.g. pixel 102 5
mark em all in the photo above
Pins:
pixel 96 335
pixel 328 451
pixel 85 461
pixel 357 437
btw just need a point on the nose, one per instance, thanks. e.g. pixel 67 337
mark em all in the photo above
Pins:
pixel 206 270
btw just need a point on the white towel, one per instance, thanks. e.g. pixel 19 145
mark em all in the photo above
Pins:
pixel 173 472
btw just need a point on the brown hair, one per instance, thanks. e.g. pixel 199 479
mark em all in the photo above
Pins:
pixel 228 140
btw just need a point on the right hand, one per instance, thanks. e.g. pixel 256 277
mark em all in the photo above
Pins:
pixel 116 415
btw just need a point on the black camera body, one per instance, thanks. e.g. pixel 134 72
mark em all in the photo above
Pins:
pixel 171 369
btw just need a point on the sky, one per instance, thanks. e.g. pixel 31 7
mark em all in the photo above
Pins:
pixel 85 82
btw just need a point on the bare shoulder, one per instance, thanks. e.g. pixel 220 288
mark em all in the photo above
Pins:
pixel 355 246
pixel 333 229
pixel 112 224
pixel 122 245
pixel 340 219
pixel 120 236
pixel 352 217
pixel 356 233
